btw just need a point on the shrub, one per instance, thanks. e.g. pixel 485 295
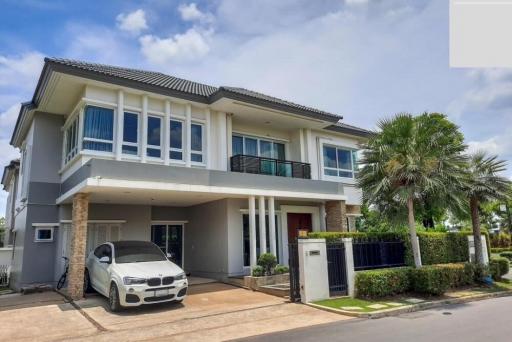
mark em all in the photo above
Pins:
pixel 382 282
pixel 481 272
pixel 499 250
pixel 430 280
pixel 268 261
pixel 258 271
pixel 281 269
pixel 501 240
pixel 498 267
pixel 460 274
pixel 441 248
pixel 507 255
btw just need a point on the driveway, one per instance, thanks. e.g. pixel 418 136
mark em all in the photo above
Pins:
pixel 212 311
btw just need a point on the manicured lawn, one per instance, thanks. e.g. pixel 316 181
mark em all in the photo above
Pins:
pixel 344 303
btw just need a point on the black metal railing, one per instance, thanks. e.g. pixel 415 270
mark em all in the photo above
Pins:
pixel 269 166
pixel 336 269
pixel 378 254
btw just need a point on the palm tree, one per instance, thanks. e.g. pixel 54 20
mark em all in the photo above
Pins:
pixel 410 157
pixel 484 184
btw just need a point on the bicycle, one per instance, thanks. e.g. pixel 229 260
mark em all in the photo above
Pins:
pixel 63 277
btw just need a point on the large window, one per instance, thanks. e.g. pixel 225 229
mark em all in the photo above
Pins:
pixel 98 129
pixel 71 143
pixel 154 137
pixel 339 162
pixel 130 133
pixel 258 147
pixel 247 242
pixel 176 140
pixel 196 143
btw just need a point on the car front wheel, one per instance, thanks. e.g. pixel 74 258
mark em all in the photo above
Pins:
pixel 113 299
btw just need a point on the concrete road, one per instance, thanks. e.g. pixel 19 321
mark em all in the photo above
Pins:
pixel 488 320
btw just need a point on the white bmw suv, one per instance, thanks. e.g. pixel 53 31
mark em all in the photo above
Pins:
pixel 132 273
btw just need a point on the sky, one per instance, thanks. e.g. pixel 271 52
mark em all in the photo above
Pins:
pixel 363 59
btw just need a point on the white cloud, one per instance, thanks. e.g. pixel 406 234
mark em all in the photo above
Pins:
pixel 188 46
pixel 20 71
pixel 8 119
pixel 133 22
pixel 190 12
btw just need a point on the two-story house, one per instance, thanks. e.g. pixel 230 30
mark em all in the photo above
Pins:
pixel 214 176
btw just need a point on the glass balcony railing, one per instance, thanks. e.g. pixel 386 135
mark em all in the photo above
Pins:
pixel 269 166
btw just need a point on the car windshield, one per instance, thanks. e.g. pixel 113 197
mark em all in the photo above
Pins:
pixel 135 251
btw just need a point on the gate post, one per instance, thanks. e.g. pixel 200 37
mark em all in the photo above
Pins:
pixel 349 260
pixel 314 279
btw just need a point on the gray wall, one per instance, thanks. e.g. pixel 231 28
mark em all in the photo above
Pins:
pixel 206 246
pixel 34 261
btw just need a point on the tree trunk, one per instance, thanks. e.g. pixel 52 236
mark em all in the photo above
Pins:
pixel 475 220
pixel 412 232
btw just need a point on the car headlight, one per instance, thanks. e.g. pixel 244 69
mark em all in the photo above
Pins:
pixel 180 276
pixel 134 281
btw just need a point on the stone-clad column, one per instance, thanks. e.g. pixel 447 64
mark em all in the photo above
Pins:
pixel 78 245
pixel 336 216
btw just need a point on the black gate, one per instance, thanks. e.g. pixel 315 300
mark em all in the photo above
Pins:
pixel 336 269
pixel 378 254
pixel 293 264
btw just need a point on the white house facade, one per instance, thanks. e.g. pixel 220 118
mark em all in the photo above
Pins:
pixel 214 176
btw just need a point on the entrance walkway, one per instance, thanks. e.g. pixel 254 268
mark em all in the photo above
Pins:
pixel 212 312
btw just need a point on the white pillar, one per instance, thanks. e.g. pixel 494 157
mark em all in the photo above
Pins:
pixel 349 262
pixel 302 146
pixel 222 141
pixel 119 124
pixel 144 142
pixel 252 230
pixel 313 274
pixel 208 145
pixel 310 141
pixel 188 131
pixel 262 226
pixel 167 131
pixel 229 135
pixel 272 226
pixel 322 217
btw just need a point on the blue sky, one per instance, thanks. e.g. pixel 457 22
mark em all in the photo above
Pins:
pixel 364 59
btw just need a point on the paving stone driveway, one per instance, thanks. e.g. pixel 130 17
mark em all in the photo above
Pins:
pixel 212 312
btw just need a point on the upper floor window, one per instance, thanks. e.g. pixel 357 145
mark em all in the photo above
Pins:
pixel 71 143
pixel 154 148
pixel 176 140
pixel 196 143
pixel 98 129
pixel 130 133
pixel 257 147
pixel 339 162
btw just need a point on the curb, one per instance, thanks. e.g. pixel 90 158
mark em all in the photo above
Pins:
pixel 413 307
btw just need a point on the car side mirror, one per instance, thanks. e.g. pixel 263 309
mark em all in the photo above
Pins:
pixel 104 260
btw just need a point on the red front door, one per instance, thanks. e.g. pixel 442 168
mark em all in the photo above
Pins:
pixel 298 222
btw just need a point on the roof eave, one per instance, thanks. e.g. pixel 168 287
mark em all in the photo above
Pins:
pixel 348 130
pixel 223 93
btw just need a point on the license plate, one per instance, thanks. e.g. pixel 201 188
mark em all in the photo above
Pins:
pixel 161 293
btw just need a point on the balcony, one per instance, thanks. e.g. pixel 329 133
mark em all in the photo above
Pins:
pixel 269 166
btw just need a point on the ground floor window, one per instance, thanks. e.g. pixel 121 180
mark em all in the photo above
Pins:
pixel 44 234
pixel 247 243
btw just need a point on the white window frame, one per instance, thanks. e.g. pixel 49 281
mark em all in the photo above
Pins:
pixel 183 142
pixel 127 143
pixel 73 150
pixel 155 147
pixel 258 139
pixel 323 168
pixel 84 138
pixel 39 228
pixel 203 162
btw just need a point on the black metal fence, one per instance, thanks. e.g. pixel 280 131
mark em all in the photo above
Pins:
pixel 336 268
pixel 378 254
pixel 293 264
pixel 269 166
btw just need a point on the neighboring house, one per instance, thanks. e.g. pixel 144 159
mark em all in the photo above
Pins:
pixel 113 153
pixel 10 182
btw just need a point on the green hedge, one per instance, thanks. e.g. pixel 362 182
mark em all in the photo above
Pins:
pixel 498 267
pixel 507 255
pixel 382 283
pixel 500 250
pixel 436 248
pixel 431 280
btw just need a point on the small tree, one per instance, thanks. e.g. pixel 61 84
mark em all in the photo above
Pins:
pixel 483 184
pixel 411 157
pixel 268 261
